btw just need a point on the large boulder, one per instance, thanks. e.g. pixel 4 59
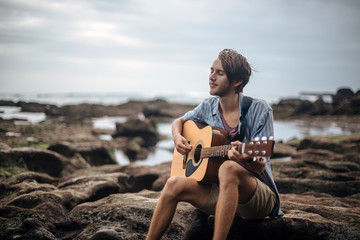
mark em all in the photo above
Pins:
pixel 16 160
pixel 145 177
pixel 32 159
pixel 341 95
pixel 321 107
pixel 32 106
pixel 94 153
pixel 127 216
pixel 136 127
pixel 34 206
pixel 305 107
pixel 350 145
pixel 350 106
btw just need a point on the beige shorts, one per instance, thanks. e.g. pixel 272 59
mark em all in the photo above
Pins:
pixel 259 206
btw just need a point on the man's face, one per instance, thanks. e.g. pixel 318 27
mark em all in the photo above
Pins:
pixel 218 81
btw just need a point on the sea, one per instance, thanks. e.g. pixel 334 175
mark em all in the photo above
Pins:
pixel 284 130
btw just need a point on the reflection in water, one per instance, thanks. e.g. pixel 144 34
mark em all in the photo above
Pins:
pixel 284 130
pixel 23 118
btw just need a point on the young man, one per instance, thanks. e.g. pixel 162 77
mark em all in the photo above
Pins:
pixel 246 188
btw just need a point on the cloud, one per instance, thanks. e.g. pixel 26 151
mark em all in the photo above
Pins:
pixel 171 44
pixel 103 33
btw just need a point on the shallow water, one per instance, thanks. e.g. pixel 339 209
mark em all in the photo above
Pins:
pixel 284 131
pixel 23 117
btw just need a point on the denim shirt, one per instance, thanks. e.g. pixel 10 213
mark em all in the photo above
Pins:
pixel 259 124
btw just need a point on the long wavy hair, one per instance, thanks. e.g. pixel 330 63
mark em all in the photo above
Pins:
pixel 236 67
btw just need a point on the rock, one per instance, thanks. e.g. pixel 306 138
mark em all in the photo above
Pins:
pixel 7 103
pixel 106 234
pixel 163 172
pixel 301 185
pixel 282 150
pixel 36 210
pixel 341 95
pixel 344 102
pixel 158 109
pixel 94 153
pixel 312 155
pixel 38 160
pixel 311 217
pixel 319 187
pixel 4 147
pixel 321 107
pixel 128 215
pixel 92 188
pixel 15 161
pixel 305 107
pixel 136 127
pixel 80 112
pixel 141 177
pixel 350 106
pixel 151 110
pixel 332 144
pixel 99 206
pixel 31 106
pixel 134 150
pixel 291 102
pixel 293 142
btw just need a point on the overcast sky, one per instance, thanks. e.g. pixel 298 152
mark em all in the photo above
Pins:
pixel 50 46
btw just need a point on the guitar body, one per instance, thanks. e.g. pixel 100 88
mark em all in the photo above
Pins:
pixel 191 165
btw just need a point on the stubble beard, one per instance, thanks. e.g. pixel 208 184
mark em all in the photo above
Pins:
pixel 220 92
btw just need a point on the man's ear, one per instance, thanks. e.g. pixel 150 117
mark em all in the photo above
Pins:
pixel 238 83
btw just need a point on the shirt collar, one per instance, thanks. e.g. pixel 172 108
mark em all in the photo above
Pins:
pixel 215 106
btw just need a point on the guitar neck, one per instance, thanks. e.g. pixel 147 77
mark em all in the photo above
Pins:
pixel 216 151
pixel 259 148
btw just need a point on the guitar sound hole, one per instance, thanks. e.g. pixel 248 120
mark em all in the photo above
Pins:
pixel 197 153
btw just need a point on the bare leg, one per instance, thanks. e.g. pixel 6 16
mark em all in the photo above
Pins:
pixel 176 190
pixel 236 185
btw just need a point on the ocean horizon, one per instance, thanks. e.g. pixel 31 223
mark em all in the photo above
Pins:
pixel 116 98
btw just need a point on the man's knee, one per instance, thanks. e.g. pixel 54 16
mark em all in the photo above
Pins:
pixel 173 187
pixel 231 171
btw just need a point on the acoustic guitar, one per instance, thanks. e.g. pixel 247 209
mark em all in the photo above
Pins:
pixel 209 152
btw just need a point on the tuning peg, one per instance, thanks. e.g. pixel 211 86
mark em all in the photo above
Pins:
pixel 264 138
pixel 254 159
pixel 271 138
pixel 256 139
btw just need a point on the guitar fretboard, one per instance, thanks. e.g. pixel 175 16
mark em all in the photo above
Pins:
pixel 254 148
pixel 216 151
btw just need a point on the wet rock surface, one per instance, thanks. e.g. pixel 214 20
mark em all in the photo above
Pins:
pixel 343 102
pixel 320 192
pixel 65 184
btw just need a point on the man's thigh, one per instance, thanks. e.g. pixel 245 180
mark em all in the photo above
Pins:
pixel 191 191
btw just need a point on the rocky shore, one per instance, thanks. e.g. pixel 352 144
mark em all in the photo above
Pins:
pixel 59 180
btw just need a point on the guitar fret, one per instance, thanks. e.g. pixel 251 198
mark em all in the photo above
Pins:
pixel 216 151
pixel 252 148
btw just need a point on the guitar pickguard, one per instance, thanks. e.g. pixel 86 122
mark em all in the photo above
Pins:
pixel 191 168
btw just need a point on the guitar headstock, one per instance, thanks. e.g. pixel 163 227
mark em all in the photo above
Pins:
pixel 259 148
